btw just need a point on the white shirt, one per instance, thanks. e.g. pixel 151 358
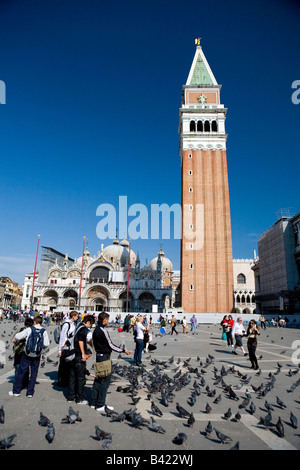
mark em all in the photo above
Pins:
pixel 139 327
pixel 238 329
pixel 26 332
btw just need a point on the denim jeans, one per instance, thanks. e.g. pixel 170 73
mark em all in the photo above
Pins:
pixel 139 346
pixel 99 391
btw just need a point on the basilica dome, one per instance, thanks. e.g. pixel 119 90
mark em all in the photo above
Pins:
pixel 167 264
pixel 118 254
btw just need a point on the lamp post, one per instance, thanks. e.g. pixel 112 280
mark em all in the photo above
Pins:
pixel 81 273
pixel 36 257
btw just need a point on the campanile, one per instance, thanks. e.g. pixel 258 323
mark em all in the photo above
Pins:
pixel 206 247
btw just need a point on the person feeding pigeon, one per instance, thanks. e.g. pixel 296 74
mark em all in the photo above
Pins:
pixel 103 347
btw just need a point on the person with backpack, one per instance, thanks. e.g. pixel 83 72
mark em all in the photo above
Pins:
pixel 36 340
pixel 64 348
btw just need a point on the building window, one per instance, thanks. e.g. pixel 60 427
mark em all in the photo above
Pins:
pixel 191 266
pixel 192 287
pixel 207 126
pixel 192 126
pixel 191 207
pixel 214 126
pixel 190 172
pixel 190 155
pixel 190 190
pixel 241 279
pixel 199 126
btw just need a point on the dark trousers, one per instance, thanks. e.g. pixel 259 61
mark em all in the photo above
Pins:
pixel 229 338
pixel 77 379
pixel 63 372
pixel 139 346
pixel 252 350
pixel 27 364
pixel 99 391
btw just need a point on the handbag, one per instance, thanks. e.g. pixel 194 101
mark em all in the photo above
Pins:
pixel 102 369
pixel 224 335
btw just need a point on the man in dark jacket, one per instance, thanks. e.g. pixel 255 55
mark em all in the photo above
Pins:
pixel 103 347
pixel 78 364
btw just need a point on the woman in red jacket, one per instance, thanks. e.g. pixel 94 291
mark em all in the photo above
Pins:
pixel 227 324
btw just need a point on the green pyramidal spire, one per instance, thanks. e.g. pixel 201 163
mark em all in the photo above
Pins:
pixel 200 73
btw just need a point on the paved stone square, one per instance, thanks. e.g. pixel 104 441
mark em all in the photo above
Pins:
pixel 202 361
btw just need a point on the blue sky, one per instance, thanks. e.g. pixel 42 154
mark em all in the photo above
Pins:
pixel 93 91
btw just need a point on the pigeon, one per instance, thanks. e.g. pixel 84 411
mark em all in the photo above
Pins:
pixel 268 406
pixel 252 408
pixel 71 417
pixel 155 410
pixel 208 408
pixel 100 434
pixel 280 403
pixel 191 420
pixel 208 429
pixel 44 421
pixel 182 412
pixel 236 446
pixel 293 421
pixel 180 438
pixel 157 427
pixel 118 418
pixel 2 415
pixel 228 414
pixel 106 444
pixel 50 433
pixel 217 399
pixel 238 416
pixel 223 438
pixel 7 442
pixel 279 427
pixel 232 394
pixel 267 420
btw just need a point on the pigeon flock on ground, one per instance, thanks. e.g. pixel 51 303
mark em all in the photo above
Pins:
pixel 158 382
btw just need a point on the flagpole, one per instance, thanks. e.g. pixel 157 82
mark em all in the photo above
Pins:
pixel 128 277
pixel 81 273
pixel 36 257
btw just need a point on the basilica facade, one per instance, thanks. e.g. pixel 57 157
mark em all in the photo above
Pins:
pixel 100 282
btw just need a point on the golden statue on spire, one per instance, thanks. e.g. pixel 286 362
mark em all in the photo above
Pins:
pixel 197 41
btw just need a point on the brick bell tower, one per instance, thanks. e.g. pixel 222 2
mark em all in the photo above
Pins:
pixel 206 247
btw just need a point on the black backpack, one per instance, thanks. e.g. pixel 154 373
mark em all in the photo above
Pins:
pixel 35 342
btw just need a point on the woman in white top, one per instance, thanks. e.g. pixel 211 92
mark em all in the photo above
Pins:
pixel 139 340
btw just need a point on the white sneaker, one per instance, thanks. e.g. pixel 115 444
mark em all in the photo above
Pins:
pixel 83 402
pixel 12 394
pixel 102 409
